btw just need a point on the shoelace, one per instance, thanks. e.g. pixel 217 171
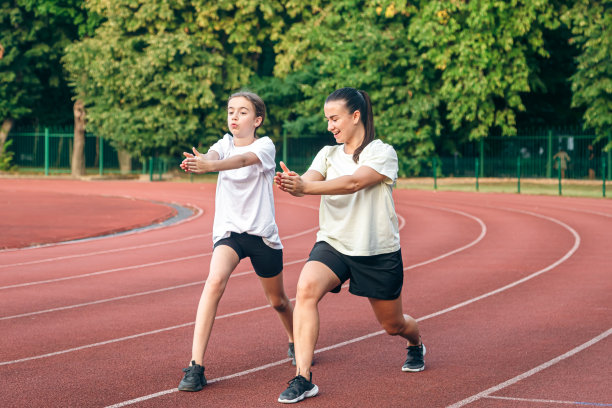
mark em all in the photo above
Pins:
pixel 414 351
pixel 297 378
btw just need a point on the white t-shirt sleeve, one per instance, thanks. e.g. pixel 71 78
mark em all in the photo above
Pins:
pixel 320 162
pixel 382 158
pixel 221 146
pixel 265 151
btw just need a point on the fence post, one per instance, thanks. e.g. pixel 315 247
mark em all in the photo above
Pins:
pixel 46 151
pixel 481 158
pixel 603 176
pixel 151 168
pixel 518 174
pixel 435 173
pixel 476 173
pixel 285 146
pixel 550 154
pixel 609 158
pixel 101 163
pixel 559 173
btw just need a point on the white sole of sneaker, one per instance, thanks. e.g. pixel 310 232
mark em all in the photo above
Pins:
pixel 311 393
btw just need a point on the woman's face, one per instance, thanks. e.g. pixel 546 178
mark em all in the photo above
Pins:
pixel 241 119
pixel 340 122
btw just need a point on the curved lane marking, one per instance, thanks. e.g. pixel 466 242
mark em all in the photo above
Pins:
pixel 549 363
pixel 138 230
pixel 129 248
pixel 370 335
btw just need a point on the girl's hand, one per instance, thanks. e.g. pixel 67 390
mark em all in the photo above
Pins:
pixel 196 163
pixel 289 181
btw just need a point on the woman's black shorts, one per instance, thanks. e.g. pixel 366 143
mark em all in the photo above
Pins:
pixel 267 262
pixel 377 276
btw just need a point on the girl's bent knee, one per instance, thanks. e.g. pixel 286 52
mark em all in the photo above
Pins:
pixel 279 304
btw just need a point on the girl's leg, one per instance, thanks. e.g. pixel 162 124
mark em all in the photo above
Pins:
pixel 315 281
pixel 224 260
pixel 389 314
pixel 275 292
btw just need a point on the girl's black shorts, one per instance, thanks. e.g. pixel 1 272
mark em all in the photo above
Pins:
pixel 267 262
pixel 377 276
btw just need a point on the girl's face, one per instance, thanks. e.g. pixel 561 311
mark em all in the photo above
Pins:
pixel 241 119
pixel 340 122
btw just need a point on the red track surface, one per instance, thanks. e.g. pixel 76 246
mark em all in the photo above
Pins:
pixel 512 294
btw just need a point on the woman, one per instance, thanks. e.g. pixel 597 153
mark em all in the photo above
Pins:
pixel 358 239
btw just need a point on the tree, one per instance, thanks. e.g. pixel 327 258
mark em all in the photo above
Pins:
pixel 363 45
pixel 155 77
pixel 482 50
pixel 591 24
pixel 33 34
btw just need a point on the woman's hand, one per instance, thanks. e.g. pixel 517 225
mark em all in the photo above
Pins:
pixel 289 181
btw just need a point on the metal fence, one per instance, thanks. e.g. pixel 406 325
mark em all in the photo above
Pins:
pixel 528 155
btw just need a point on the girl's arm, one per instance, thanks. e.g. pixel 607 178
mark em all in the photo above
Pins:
pixel 204 163
pixel 312 184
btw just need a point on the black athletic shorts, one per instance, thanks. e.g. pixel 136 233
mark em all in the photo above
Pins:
pixel 267 262
pixel 377 276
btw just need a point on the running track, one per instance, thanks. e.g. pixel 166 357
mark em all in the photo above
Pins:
pixel 513 295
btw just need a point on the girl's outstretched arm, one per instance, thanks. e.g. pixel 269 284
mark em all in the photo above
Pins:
pixel 204 163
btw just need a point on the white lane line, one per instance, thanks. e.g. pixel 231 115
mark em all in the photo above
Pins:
pixel 533 371
pixel 449 309
pixel 149 292
pixel 483 232
pixel 125 268
pixel 129 248
pixel 108 251
pixel 126 296
pixel 140 230
pixel 134 336
pixel 548 401
pixel 56 309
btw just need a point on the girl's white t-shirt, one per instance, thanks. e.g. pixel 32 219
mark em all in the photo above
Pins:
pixel 244 201
pixel 362 223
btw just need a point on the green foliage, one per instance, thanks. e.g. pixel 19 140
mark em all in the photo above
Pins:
pixel 591 24
pixel 6 156
pixel 33 35
pixel 337 44
pixel 481 50
pixel 156 76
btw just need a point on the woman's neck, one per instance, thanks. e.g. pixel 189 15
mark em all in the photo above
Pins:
pixel 354 141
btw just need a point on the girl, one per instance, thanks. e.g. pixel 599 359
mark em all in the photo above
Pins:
pixel 358 239
pixel 243 225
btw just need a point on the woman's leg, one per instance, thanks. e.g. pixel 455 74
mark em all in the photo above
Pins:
pixel 275 292
pixel 315 281
pixel 389 314
pixel 224 260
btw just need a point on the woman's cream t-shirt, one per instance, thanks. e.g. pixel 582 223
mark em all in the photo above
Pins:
pixel 362 223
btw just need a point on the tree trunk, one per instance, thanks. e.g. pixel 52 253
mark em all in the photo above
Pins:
pixel 4 131
pixel 125 161
pixel 78 150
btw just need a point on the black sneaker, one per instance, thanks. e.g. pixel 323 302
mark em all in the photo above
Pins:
pixel 194 378
pixel 299 388
pixel 291 353
pixel 414 359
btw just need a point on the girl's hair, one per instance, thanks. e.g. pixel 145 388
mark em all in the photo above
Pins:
pixel 258 103
pixel 357 100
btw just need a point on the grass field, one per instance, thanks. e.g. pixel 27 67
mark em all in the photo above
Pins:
pixel 570 188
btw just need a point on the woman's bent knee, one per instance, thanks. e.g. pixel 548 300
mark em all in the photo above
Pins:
pixel 393 328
